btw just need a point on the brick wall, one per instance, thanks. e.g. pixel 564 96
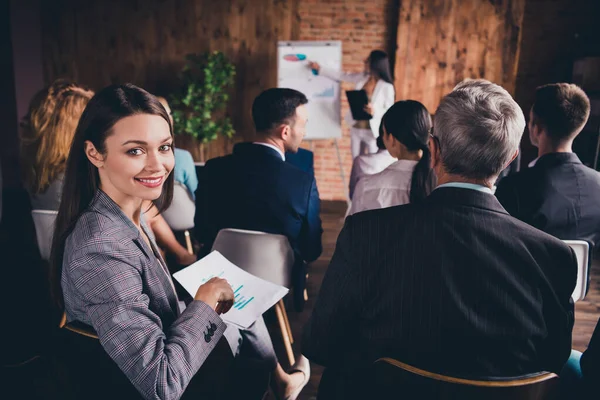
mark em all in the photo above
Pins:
pixel 362 26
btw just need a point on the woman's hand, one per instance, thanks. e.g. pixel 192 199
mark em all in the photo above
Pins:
pixel 369 109
pixel 217 293
pixel 314 65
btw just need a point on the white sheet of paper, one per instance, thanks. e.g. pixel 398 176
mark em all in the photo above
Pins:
pixel 253 296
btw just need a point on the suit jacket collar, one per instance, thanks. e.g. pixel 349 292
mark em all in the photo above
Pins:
pixel 465 197
pixel 553 159
pixel 103 204
pixel 248 149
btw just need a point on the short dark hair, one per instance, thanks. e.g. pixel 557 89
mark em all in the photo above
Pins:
pixel 276 106
pixel 562 109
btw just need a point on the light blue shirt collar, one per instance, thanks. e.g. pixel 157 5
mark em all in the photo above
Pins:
pixel 464 185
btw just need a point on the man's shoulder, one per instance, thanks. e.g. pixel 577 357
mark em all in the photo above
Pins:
pixel 276 169
pixel 389 215
pixel 590 173
pixel 523 177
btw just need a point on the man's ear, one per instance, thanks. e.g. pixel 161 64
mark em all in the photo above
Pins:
pixel 93 155
pixel 284 132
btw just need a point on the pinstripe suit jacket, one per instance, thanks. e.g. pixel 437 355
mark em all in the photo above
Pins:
pixel 112 281
pixel 453 285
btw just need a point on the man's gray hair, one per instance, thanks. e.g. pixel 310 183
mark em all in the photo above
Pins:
pixel 479 128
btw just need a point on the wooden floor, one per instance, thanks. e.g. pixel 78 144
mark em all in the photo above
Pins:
pixel 586 311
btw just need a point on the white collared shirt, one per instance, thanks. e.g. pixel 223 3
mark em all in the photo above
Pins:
pixel 277 149
pixel 390 187
pixel 369 164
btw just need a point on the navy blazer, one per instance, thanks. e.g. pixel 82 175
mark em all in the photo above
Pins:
pixel 452 285
pixel 254 189
pixel 558 195
pixel 303 159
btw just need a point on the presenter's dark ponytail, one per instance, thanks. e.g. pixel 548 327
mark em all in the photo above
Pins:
pixel 410 123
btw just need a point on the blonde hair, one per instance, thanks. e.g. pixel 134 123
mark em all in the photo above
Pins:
pixel 47 132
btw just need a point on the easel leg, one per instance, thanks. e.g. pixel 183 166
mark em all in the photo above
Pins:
pixel 343 176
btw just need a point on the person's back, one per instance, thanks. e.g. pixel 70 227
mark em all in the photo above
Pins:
pixel 559 194
pixel 449 304
pixel 370 164
pixel 254 189
pixel 46 134
pixel 451 284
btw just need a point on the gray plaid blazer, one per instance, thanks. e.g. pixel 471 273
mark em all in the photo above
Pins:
pixel 113 281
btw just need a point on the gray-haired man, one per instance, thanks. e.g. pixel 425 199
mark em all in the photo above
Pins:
pixel 453 285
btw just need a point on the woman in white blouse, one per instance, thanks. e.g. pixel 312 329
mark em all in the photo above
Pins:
pixel 406 127
pixel 376 80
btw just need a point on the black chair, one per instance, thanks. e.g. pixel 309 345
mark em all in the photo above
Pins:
pixel 87 372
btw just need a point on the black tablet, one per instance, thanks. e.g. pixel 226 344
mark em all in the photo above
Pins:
pixel 358 99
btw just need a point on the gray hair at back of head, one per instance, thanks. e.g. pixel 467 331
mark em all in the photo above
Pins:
pixel 479 128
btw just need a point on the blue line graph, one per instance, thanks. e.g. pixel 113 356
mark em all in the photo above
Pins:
pixel 329 92
pixel 241 302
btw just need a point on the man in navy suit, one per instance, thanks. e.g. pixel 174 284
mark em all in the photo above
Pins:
pixel 255 189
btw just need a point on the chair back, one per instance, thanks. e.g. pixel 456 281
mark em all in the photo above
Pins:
pixel 265 255
pixel 582 251
pixel 180 214
pixel 44 221
pixel 394 379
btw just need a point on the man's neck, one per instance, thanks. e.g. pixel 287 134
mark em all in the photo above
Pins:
pixel 271 141
pixel 546 147
pixel 452 178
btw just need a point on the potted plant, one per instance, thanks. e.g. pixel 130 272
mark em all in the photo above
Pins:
pixel 198 107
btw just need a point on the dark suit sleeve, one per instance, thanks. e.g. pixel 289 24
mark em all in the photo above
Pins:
pixel 590 360
pixel 310 236
pixel 559 311
pixel 507 194
pixel 328 334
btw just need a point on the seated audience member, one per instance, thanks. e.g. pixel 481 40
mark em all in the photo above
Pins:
pixel 369 164
pixel 46 135
pixel 185 170
pixel 558 194
pixel 590 363
pixel 106 271
pixel 302 159
pixel 453 284
pixel 255 189
pixel 406 126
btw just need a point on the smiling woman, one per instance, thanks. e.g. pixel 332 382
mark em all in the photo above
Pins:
pixel 136 162
pixel 106 271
